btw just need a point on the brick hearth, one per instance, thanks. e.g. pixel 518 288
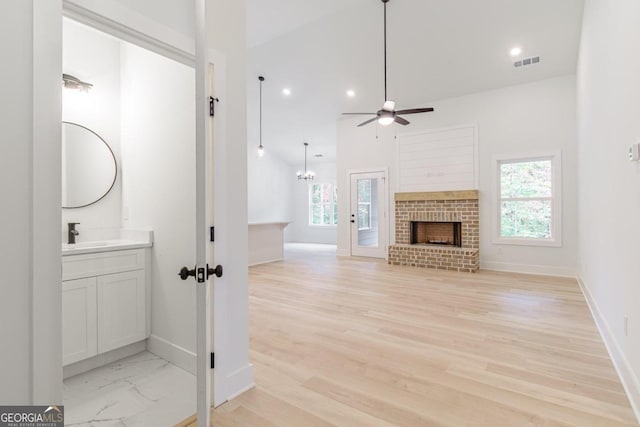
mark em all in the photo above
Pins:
pixel 447 206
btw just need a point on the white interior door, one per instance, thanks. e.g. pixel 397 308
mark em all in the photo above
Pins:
pixel 204 205
pixel 368 214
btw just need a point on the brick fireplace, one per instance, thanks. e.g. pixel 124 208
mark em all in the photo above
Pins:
pixel 437 230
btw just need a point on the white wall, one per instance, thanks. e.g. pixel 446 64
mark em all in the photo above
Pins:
pixel 301 230
pixel 158 151
pixel 270 189
pixel 94 57
pixel 30 307
pixel 511 121
pixel 609 197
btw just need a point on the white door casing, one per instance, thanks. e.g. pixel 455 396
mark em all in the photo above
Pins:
pixel 368 215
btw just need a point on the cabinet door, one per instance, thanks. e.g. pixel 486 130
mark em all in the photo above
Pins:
pixel 79 315
pixel 121 309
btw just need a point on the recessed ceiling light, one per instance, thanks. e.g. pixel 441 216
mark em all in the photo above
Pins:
pixel 286 91
pixel 515 51
pixel 351 93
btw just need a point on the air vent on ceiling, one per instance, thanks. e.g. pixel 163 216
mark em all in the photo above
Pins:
pixel 527 61
pixel 319 155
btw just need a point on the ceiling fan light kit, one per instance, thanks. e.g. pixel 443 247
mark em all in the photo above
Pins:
pixel 388 114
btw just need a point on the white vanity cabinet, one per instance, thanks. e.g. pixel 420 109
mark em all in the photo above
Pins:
pixel 121 309
pixel 79 316
pixel 104 301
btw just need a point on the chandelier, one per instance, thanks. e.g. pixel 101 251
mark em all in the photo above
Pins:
pixel 307 175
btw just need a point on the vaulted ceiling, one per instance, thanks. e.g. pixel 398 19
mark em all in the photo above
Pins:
pixel 437 49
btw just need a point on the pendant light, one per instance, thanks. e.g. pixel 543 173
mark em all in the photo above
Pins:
pixel 261 147
pixel 307 175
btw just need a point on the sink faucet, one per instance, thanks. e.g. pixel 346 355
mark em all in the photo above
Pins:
pixel 72 232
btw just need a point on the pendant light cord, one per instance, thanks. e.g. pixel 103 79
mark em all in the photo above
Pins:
pixel 261 80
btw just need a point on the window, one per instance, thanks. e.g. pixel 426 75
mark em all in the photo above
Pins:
pixel 529 200
pixel 323 207
pixel 364 204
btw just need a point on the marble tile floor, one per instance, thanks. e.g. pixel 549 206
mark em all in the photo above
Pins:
pixel 141 390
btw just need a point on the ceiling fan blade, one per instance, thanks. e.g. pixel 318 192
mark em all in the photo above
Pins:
pixel 401 121
pixel 368 121
pixel 415 111
pixel 357 114
pixel 389 106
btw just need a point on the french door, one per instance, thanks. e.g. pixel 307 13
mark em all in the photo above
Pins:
pixel 368 219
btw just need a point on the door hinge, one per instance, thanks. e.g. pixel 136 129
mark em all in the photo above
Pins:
pixel 212 108
pixel 213 360
pixel 212 234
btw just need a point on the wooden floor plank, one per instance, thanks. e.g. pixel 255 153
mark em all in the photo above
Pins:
pixel 357 342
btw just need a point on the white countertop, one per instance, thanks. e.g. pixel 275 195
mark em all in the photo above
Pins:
pixel 285 223
pixel 102 246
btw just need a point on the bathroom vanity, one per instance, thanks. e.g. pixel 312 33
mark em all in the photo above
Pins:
pixel 105 296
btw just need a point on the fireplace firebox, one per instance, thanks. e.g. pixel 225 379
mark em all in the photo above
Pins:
pixel 436 233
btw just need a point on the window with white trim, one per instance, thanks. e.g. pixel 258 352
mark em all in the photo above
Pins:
pixel 364 204
pixel 529 200
pixel 323 207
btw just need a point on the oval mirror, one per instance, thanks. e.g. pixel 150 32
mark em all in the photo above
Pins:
pixel 89 167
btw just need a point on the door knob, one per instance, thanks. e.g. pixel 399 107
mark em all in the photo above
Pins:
pixel 185 273
pixel 353 221
pixel 217 271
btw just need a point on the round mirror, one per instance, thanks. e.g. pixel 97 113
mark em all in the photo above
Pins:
pixel 88 166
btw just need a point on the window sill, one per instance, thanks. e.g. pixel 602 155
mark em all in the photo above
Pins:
pixel 322 226
pixel 519 241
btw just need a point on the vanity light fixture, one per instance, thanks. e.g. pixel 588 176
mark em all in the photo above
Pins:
pixel 307 175
pixel 261 147
pixel 72 82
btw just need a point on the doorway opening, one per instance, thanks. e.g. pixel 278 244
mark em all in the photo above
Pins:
pixel 368 214
pixel 129 322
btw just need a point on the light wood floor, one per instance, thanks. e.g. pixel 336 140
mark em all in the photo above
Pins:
pixel 356 342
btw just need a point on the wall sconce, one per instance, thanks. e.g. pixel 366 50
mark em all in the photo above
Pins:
pixel 72 82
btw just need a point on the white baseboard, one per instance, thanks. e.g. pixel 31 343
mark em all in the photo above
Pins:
pixel 240 381
pixel 620 362
pixel 175 354
pixel 343 252
pixel 102 359
pixel 543 270
pixel 236 383
pixel 251 264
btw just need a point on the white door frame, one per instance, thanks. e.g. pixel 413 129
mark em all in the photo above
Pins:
pixel 383 205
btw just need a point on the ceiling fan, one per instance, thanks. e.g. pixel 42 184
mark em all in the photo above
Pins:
pixel 388 114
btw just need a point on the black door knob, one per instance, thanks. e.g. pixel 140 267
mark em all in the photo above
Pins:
pixel 217 271
pixel 185 273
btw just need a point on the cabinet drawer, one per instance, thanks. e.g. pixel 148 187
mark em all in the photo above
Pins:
pixel 87 265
